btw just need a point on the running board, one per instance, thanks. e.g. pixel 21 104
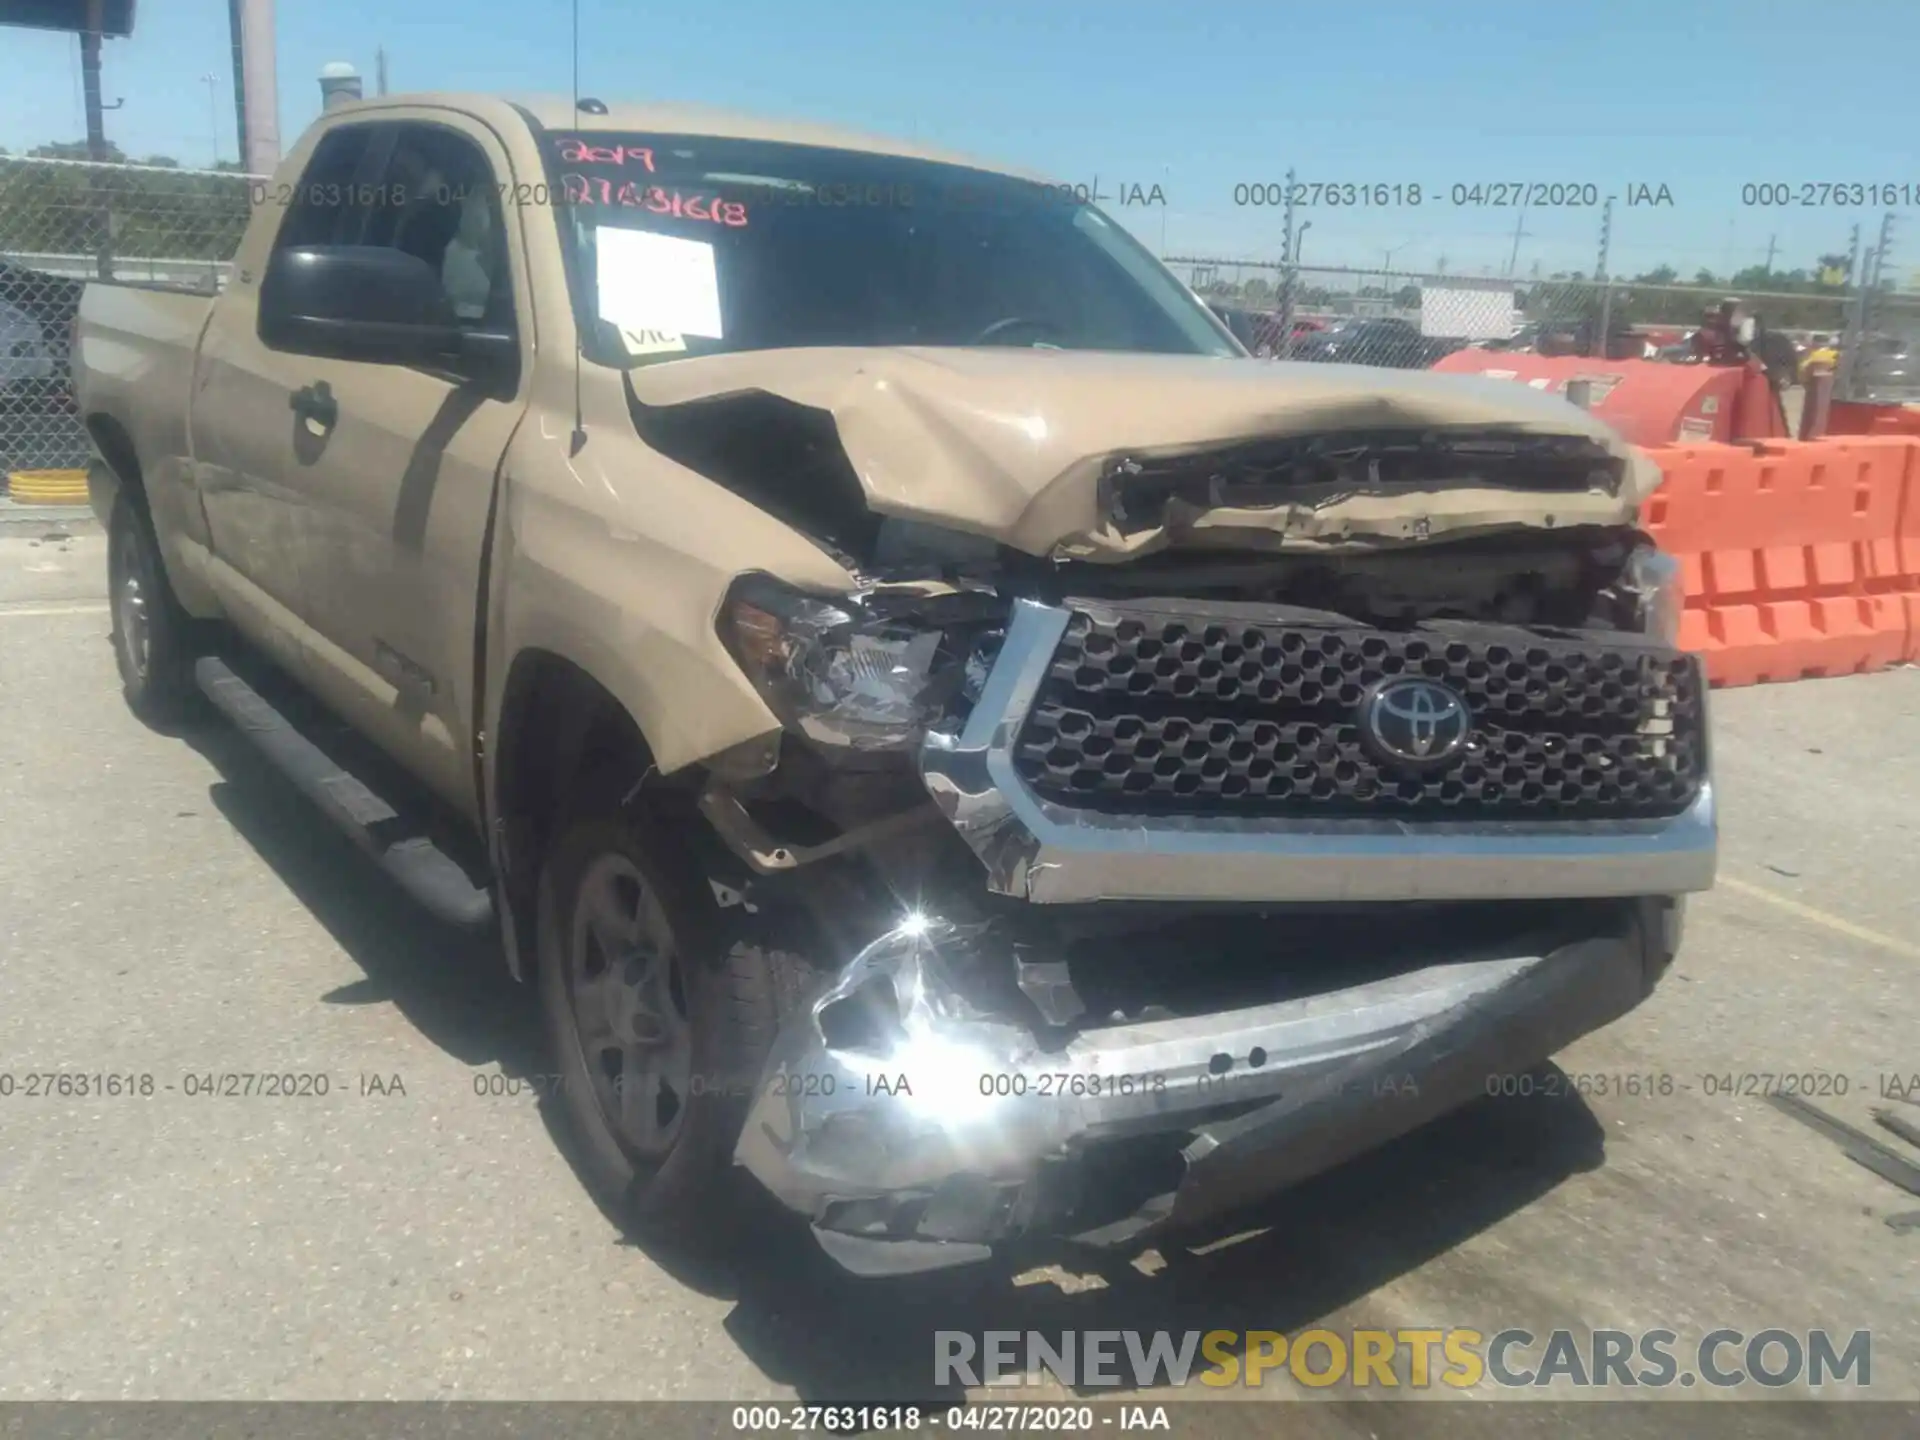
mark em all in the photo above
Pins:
pixel 420 867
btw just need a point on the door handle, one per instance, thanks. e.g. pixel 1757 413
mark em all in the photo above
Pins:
pixel 315 402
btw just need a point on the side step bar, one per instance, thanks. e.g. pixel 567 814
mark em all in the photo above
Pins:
pixel 420 867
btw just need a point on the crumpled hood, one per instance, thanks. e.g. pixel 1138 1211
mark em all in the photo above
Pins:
pixel 1013 443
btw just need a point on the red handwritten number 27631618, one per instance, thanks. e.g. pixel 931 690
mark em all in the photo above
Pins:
pixel 582 190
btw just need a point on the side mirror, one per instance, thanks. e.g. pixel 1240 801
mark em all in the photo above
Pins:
pixel 376 305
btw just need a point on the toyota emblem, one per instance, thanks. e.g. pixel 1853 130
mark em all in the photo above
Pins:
pixel 1419 723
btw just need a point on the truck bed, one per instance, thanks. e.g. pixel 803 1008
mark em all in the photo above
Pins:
pixel 133 364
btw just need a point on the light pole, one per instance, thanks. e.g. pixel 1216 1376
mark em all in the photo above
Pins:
pixel 1166 172
pixel 1298 236
pixel 213 117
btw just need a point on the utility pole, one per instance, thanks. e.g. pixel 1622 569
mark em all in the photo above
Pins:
pixel 1606 285
pixel 1881 250
pixel 236 28
pixel 96 138
pixel 213 116
pixel 1860 312
pixel 380 72
pixel 1287 274
pixel 1514 258
pixel 256 92
pixel 1772 246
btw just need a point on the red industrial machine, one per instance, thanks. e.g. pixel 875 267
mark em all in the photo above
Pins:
pixel 1853 417
pixel 1649 402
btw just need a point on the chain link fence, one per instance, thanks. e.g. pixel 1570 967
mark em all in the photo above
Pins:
pixel 65 222
pixel 1883 333
pixel 1410 319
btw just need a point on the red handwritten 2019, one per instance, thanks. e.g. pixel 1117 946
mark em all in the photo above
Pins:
pixel 582 190
pixel 579 152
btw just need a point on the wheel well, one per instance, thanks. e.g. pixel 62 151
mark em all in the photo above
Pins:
pixel 558 726
pixel 115 448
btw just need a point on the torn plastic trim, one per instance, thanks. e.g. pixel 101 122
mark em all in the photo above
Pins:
pixel 1315 471
pixel 765 854
pixel 917 1138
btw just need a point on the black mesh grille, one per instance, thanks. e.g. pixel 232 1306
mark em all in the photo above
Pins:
pixel 1149 710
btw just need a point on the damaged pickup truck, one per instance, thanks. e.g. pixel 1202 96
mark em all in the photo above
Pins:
pixel 937 724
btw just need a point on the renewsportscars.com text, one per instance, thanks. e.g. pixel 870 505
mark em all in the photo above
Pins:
pixel 1406 1359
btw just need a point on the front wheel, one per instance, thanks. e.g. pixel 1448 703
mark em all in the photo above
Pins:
pixel 658 1028
pixel 152 635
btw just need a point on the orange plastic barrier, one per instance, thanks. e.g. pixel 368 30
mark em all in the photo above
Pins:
pixel 1801 558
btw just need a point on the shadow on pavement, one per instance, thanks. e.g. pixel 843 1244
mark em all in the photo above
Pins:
pixel 455 988
pixel 1326 1244
pixel 832 1337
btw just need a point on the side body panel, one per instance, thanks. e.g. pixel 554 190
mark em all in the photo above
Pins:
pixel 133 368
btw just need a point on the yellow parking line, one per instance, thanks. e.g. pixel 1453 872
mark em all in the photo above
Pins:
pixel 1820 917
pixel 95 607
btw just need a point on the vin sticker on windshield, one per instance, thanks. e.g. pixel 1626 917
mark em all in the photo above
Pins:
pixel 661 283
pixel 652 342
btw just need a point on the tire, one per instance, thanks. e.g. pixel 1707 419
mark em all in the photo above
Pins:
pixel 153 638
pixel 664 1164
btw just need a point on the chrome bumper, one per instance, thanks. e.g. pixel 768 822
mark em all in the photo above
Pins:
pixel 1050 854
pixel 944 1131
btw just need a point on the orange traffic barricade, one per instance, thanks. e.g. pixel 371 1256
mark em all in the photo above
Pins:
pixel 1801 558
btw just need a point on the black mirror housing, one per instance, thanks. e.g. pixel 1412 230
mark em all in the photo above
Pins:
pixel 372 304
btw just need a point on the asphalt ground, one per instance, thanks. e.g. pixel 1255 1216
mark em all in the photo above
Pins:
pixel 171 908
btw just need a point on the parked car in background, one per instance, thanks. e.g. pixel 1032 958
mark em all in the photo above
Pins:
pixel 25 354
pixel 1246 325
pixel 1380 340
pixel 1886 370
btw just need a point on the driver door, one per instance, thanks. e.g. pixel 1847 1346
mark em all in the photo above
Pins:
pixel 391 468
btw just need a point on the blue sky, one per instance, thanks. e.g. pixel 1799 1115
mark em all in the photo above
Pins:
pixel 1699 95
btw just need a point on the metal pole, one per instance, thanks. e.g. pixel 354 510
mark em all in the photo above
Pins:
pixel 380 88
pixel 96 140
pixel 1606 284
pixel 1851 333
pixel 236 28
pixel 213 117
pixel 1288 278
pixel 262 87
pixel 1166 172
pixel 1815 405
pixel 1861 321
pixel 1514 258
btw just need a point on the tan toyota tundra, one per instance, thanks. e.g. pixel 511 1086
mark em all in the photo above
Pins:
pixel 939 725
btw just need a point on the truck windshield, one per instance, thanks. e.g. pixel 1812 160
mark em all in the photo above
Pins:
pixel 683 245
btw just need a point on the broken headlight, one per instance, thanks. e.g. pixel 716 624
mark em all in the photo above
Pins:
pixel 1653 577
pixel 838 670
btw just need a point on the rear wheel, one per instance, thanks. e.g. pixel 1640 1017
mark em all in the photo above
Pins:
pixel 152 636
pixel 657 1027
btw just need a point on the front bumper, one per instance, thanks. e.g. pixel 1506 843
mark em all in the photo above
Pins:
pixel 1046 853
pixel 916 1131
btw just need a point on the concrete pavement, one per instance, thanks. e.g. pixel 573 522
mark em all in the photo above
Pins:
pixel 172 909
